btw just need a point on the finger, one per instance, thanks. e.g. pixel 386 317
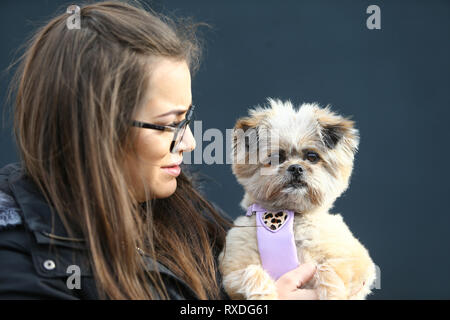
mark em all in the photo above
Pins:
pixel 304 294
pixel 298 276
pixel 357 290
pixel 303 273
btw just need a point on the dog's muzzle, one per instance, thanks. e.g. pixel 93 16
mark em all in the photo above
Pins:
pixel 296 173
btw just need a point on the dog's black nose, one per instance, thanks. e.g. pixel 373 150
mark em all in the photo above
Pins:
pixel 295 169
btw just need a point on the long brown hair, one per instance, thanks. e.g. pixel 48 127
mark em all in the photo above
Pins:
pixel 76 93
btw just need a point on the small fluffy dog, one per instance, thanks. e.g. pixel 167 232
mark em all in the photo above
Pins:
pixel 313 159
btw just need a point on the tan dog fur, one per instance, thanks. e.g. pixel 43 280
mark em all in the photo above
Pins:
pixel 344 267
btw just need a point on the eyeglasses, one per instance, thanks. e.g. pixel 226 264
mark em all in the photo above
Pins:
pixel 179 130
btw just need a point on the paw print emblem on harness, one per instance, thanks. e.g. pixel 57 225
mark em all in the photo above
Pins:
pixel 274 220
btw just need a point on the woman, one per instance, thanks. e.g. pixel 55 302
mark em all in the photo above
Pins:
pixel 98 206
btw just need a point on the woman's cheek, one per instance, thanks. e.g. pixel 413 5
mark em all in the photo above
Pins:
pixel 155 148
pixel 157 154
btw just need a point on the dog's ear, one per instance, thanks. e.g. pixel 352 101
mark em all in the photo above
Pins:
pixel 332 134
pixel 242 126
pixel 336 130
pixel 246 138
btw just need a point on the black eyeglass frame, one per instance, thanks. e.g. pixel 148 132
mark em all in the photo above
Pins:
pixel 180 127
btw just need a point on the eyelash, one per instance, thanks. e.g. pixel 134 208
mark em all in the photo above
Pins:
pixel 174 124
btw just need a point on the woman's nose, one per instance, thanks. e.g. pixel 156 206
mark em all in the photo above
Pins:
pixel 188 141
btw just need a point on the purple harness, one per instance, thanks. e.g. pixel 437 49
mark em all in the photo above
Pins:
pixel 276 241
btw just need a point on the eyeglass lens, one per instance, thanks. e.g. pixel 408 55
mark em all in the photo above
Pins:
pixel 179 137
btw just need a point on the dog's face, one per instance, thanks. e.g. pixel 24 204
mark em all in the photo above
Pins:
pixel 307 166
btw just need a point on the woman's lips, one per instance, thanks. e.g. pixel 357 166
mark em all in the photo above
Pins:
pixel 174 170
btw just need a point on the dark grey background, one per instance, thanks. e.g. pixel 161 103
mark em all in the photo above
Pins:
pixel 394 81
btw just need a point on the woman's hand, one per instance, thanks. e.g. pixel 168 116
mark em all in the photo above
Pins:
pixel 289 284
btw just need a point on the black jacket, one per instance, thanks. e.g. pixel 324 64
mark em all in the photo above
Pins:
pixel 32 269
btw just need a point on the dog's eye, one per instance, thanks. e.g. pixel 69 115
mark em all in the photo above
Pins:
pixel 279 157
pixel 312 156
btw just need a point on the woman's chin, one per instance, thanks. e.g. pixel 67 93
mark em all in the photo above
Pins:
pixel 166 189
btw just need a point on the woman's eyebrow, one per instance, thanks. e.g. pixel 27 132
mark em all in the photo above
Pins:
pixel 178 112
